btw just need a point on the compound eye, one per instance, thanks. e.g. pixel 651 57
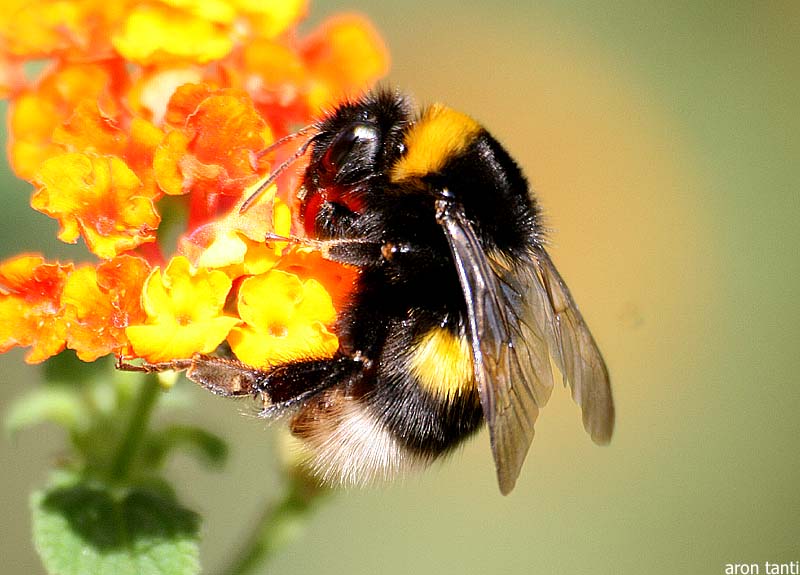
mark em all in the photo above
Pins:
pixel 353 151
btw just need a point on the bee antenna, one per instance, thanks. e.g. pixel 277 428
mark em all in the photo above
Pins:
pixel 287 138
pixel 282 168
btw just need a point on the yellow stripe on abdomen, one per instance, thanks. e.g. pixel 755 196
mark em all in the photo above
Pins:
pixel 442 364
pixel 442 133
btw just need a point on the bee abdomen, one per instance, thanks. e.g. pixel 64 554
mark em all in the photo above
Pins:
pixel 347 444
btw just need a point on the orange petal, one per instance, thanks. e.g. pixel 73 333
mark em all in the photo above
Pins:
pixel 226 129
pixel 347 55
pixel 192 294
pixel 227 248
pixel 236 243
pixel 183 103
pixel 222 131
pixel 140 153
pixel 32 120
pixel 265 349
pixel 220 11
pixel 30 306
pixel 37 29
pixel 98 198
pixel 36 114
pixel 259 219
pixel 89 315
pixel 166 163
pixel 275 64
pixel 262 256
pixel 123 278
pixel 68 84
pixel 100 303
pixel 89 130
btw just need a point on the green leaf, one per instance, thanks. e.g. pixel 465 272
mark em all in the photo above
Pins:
pixel 87 528
pixel 205 446
pixel 54 405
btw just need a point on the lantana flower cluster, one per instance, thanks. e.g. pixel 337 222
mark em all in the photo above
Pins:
pixel 150 112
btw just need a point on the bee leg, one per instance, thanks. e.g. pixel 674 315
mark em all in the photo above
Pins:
pixel 289 384
pixel 221 376
pixel 353 252
pixel 146 367
pixel 279 387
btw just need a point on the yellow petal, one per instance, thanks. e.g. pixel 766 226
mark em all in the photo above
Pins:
pixel 227 248
pixel 159 34
pixel 263 349
pixel 166 341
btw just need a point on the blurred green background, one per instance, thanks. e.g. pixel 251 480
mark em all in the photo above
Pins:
pixel 663 140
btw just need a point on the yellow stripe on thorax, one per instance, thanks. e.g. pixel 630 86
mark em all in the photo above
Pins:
pixel 439 135
pixel 442 364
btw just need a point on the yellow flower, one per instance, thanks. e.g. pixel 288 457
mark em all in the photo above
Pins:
pixel 285 319
pixel 184 308
pixel 158 34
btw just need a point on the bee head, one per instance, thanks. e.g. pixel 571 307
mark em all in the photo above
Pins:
pixel 353 146
pixel 359 140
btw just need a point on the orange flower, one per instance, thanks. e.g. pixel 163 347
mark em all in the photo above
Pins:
pixel 342 55
pixel 90 130
pixel 139 154
pixel 98 198
pixel 143 32
pixel 142 134
pixel 37 112
pixel 30 306
pixel 269 19
pixel 291 83
pixel 100 303
pixel 37 29
pixel 32 120
pixel 167 163
pixel 213 150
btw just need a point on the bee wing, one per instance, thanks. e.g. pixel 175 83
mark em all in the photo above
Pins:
pixel 510 357
pixel 573 347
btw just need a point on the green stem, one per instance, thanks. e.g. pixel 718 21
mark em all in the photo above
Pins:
pixel 279 524
pixel 137 426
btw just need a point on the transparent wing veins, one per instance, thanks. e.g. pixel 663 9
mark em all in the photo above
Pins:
pixel 518 318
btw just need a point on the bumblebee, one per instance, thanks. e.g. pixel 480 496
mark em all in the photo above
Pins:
pixel 457 308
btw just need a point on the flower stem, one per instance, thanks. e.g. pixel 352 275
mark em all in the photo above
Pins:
pixel 137 426
pixel 279 524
